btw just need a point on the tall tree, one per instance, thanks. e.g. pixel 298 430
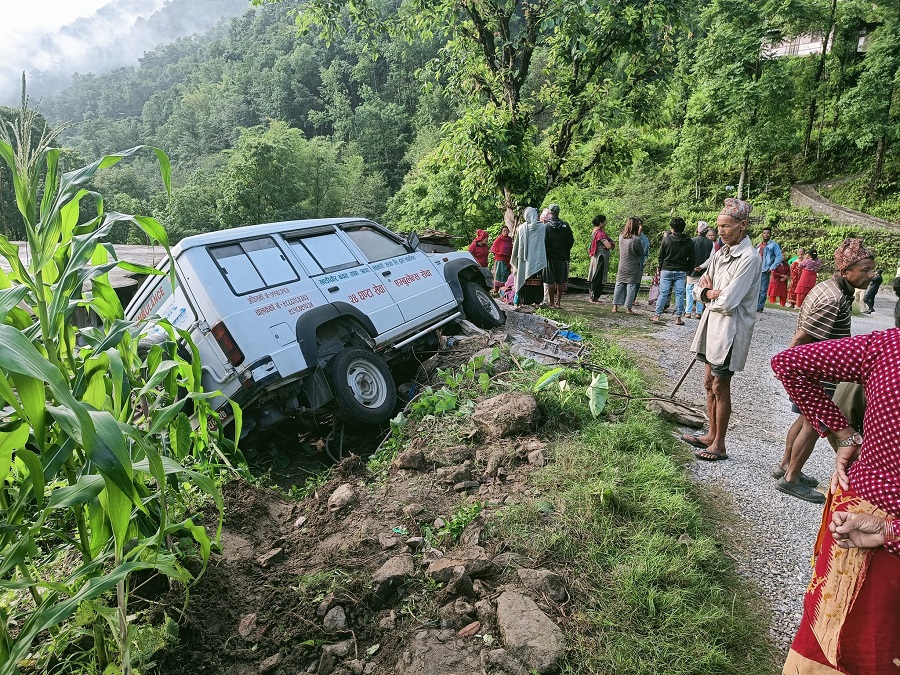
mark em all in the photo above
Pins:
pixel 507 61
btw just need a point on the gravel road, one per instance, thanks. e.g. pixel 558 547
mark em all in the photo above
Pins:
pixel 775 532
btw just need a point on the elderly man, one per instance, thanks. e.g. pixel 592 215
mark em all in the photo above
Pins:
pixel 729 289
pixel 825 315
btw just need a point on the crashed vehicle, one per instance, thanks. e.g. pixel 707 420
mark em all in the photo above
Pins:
pixel 303 316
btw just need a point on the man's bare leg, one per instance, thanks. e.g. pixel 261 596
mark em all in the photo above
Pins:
pixel 559 294
pixel 708 380
pixel 802 449
pixel 722 392
pixel 791 439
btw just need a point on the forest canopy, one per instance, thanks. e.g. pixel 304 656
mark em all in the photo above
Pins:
pixel 456 115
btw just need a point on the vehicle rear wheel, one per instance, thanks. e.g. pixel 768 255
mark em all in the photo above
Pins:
pixel 480 307
pixel 363 387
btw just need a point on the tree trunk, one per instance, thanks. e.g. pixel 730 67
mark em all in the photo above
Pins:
pixel 876 173
pixel 509 213
pixel 820 71
pixel 744 179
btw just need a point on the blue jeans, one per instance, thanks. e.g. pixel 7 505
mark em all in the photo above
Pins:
pixel 668 279
pixel 624 294
pixel 691 302
pixel 763 290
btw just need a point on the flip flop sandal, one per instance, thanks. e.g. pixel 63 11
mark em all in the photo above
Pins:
pixel 693 440
pixel 708 456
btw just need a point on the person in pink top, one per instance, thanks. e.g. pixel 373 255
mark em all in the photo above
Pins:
pixel 851 611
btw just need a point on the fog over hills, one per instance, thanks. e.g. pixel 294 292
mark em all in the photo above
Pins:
pixel 116 35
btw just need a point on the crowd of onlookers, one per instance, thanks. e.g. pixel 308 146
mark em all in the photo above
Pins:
pixel 842 388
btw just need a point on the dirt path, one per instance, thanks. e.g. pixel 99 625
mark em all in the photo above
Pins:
pixel 772 534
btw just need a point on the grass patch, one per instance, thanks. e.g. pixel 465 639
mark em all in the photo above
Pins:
pixel 654 592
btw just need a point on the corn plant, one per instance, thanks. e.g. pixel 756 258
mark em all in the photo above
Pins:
pixel 95 443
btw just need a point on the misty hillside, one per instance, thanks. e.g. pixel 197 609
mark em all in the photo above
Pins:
pixel 118 34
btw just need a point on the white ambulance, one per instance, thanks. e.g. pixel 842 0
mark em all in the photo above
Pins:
pixel 290 317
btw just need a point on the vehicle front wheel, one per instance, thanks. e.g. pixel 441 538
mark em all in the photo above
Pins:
pixel 363 387
pixel 480 307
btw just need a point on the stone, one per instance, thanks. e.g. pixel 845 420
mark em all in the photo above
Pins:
pixel 466 485
pixel 333 653
pixel 413 510
pixel 387 541
pixel 509 559
pixel 510 414
pixel 270 558
pixel 435 653
pixel 247 625
pixel 536 458
pixel 335 620
pixel 454 455
pixel 501 662
pixel 484 610
pixel 300 522
pixel 356 666
pixel 460 585
pixel 439 523
pixel 415 543
pixel 459 612
pixel 392 574
pixel 342 498
pixel 449 475
pixel 473 559
pixel 544 582
pixel 388 622
pixel 325 605
pixel 413 460
pixel 270 664
pixel 528 634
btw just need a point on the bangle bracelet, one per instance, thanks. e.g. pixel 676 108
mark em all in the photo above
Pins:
pixel 892 529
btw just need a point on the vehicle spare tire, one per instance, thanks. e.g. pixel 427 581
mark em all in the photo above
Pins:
pixel 480 307
pixel 363 387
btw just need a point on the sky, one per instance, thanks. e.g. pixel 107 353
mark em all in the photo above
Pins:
pixel 43 16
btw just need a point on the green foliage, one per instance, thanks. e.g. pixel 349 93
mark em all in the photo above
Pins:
pixel 95 443
pixel 459 520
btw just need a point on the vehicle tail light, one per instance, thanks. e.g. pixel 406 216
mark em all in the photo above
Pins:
pixel 232 352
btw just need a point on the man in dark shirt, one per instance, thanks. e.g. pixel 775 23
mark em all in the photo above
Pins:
pixel 676 259
pixel 558 241
pixel 703 248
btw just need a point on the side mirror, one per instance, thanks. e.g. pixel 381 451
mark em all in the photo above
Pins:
pixel 412 240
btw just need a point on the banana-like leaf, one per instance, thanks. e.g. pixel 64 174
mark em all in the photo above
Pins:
pixel 33 398
pixel 548 378
pixel 35 474
pixel 10 441
pixel 53 611
pixel 9 298
pixel 83 491
pixel 598 393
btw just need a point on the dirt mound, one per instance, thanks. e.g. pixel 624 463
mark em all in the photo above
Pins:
pixel 318 586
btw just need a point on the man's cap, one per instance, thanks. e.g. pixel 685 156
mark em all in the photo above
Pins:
pixel 702 227
pixel 554 208
pixel 737 209
pixel 850 252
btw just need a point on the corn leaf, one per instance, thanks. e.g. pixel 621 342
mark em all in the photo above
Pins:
pixel 83 491
pixel 11 441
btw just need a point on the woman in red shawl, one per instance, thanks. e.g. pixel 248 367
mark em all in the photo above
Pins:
pixel 809 274
pixel 795 276
pixel 479 248
pixel 778 285
pixel 502 250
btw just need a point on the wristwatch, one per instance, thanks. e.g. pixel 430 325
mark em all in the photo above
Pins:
pixel 855 439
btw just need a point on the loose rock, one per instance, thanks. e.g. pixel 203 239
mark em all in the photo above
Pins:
pixel 473 559
pixel 270 558
pixel 342 498
pixel 390 575
pixel 335 620
pixel 413 460
pixel 270 664
pixel 528 633
pixel 544 582
pixel 506 415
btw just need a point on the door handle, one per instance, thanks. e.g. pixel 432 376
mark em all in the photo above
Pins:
pixel 333 289
pixel 386 274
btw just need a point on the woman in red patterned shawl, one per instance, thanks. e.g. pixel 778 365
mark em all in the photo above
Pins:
pixel 795 276
pixel 851 611
pixel 502 250
pixel 479 248
pixel 778 286
pixel 809 275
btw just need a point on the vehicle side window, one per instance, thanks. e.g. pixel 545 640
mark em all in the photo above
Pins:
pixel 329 252
pixel 253 264
pixel 305 258
pixel 376 245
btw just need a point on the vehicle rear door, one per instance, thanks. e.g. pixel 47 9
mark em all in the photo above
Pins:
pixel 409 275
pixel 344 278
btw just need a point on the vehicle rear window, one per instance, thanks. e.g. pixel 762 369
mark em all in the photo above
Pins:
pixel 327 250
pixel 376 245
pixel 253 264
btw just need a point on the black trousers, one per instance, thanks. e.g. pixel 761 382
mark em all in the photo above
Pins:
pixel 869 297
pixel 597 281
